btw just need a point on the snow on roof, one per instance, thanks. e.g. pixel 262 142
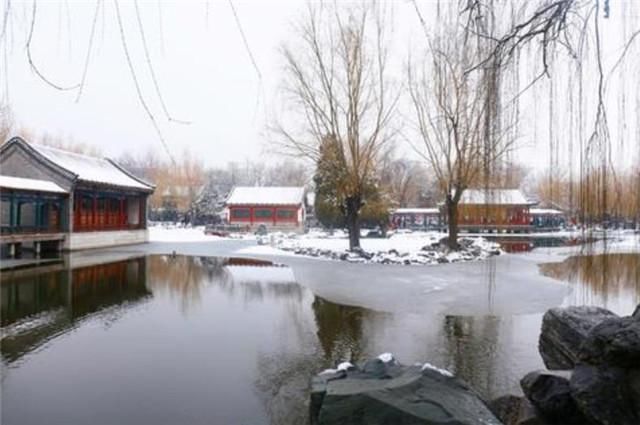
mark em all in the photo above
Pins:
pixel 9 182
pixel 416 211
pixel 494 196
pixel 242 195
pixel 90 168
pixel 541 211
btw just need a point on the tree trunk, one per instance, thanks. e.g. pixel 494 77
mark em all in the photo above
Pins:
pixel 452 222
pixel 352 219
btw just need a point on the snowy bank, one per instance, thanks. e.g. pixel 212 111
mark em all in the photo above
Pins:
pixel 177 233
pixel 409 249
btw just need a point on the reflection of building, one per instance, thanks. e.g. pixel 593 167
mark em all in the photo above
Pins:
pixel 60 296
pixel 416 218
pixel 493 209
pixel 78 200
pixel 277 208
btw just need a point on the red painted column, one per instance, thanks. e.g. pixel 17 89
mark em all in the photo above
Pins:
pixel 273 214
pixel 251 215
pixel 121 214
pixel 93 212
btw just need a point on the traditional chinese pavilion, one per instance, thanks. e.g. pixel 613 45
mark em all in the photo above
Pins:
pixel 276 208
pixel 494 210
pixel 79 200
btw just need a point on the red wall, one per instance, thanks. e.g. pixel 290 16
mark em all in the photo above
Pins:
pixel 276 217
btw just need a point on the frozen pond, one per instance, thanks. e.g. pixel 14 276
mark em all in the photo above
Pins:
pixel 161 339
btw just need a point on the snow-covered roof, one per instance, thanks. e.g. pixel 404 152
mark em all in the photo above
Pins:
pixel 416 211
pixel 243 195
pixel 9 182
pixel 548 211
pixel 90 168
pixel 494 197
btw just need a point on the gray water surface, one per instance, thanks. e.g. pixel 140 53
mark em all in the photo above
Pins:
pixel 210 340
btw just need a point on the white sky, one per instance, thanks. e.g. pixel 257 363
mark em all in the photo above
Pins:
pixel 204 71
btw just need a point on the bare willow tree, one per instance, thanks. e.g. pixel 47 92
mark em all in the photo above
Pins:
pixel 337 89
pixel 455 112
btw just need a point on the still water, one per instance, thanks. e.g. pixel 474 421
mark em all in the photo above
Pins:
pixel 201 340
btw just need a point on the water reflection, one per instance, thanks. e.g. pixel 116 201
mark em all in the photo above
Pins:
pixel 608 280
pixel 339 330
pixel 38 306
pixel 518 244
pixel 175 339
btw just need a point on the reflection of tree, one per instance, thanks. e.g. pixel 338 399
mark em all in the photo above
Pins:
pixel 339 330
pixel 471 343
pixel 603 274
pixel 183 277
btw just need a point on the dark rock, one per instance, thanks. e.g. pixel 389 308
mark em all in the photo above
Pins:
pixel 529 415
pixel 615 342
pixel 563 332
pixel 636 313
pixel 408 395
pixel 507 408
pixel 633 383
pixel 602 395
pixel 319 389
pixel 550 393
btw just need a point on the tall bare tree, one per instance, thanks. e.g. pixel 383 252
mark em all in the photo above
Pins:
pixel 456 113
pixel 337 87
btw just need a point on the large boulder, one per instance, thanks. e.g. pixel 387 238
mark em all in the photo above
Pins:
pixel 403 395
pixel 515 410
pixel 602 395
pixel 563 332
pixel 507 408
pixel 615 342
pixel 633 380
pixel 636 313
pixel 550 393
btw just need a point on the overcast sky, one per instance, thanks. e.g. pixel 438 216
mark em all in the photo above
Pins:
pixel 204 72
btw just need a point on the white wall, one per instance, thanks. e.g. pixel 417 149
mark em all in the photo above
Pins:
pixel 86 240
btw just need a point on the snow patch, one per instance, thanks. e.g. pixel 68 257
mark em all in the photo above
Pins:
pixel 345 366
pixel 386 357
pixel 437 369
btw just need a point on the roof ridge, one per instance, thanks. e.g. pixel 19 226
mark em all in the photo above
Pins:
pixel 68 152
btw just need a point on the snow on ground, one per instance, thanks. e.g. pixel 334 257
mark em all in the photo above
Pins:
pixel 402 248
pixel 178 233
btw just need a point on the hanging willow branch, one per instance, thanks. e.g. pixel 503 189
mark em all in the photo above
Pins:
pixel 32 64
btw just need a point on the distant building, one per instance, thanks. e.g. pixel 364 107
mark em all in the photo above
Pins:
pixel 547 219
pixel 493 210
pixel 416 218
pixel 276 208
pixel 63 200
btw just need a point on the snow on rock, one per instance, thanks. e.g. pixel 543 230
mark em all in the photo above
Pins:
pixel 419 248
pixel 345 366
pixel 386 357
pixel 437 369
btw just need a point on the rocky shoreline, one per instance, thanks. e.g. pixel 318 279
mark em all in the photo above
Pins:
pixel 593 377
pixel 435 252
